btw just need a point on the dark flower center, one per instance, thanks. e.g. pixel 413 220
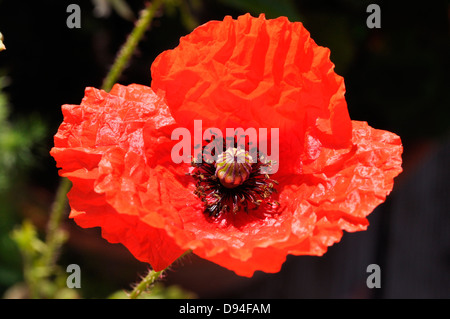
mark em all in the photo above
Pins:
pixel 233 183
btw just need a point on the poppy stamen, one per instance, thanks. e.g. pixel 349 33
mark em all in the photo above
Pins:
pixel 233 183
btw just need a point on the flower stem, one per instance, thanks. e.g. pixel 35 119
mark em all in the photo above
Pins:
pixel 58 207
pixel 55 237
pixel 129 46
pixel 145 283
pixel 151 277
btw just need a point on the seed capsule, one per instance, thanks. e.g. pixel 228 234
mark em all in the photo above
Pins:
pixel 233 167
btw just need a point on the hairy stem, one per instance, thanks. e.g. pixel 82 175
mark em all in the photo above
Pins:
pixel 150 279
pixel 55 237
pixel 130 45
pixel 145 283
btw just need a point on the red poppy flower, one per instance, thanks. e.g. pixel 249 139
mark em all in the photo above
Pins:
pixel 246 73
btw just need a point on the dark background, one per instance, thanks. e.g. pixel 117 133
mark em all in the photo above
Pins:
pixel 396 79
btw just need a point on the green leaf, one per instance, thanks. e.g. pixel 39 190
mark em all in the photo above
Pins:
pixel 26 238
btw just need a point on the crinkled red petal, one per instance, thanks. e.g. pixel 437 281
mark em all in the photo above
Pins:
pixel 258 73
pixel 337 193
pixel 92 135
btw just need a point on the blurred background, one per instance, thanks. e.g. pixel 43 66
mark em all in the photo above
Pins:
pixel 396 78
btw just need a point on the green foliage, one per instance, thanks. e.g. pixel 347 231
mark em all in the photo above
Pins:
pixel 16 142
pixel 43 278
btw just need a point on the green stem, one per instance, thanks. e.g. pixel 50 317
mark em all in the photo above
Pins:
pixel 145 283
pixel 55 237
pixel 150 279
pixel 129 46
pixel 58 209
